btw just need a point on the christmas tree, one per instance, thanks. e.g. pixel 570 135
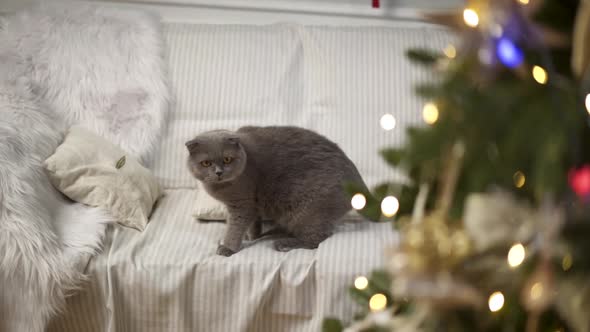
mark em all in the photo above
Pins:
pixel 495 217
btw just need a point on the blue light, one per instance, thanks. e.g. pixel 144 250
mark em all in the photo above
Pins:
pixel 508 53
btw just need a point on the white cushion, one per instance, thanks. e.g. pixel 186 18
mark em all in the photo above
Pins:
pixel 91 170
pixel 337 81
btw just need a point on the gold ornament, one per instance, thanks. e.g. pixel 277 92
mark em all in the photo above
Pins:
pixel 429 246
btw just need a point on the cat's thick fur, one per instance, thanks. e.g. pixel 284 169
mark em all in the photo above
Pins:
pixel 289 175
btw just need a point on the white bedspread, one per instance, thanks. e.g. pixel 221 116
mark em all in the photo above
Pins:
pixel 337 81
pixel 168 278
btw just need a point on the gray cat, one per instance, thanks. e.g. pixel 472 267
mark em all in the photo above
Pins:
pixel 289 175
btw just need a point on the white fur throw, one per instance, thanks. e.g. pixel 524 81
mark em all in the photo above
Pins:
pixel 99 67
pixel 43 238
pixel 60 66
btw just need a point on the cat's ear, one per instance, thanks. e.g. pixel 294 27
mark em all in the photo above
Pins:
pixel 192 145
pixel 233 140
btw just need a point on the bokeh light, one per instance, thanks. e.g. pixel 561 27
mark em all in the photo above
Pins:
pixel 516 255
pixel 470 17
pixel 389 206
pixel 388 122
pixel 358 201
pixel 496 301
pixel 430 113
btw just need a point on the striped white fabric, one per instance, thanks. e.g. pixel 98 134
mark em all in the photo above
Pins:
pixel 338 81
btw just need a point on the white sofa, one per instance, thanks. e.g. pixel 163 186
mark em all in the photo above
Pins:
pixel 337 81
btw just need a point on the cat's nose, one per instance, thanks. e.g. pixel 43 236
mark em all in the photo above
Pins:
pixel 219 172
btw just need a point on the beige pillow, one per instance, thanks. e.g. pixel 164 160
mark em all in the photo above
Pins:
pixel 91 170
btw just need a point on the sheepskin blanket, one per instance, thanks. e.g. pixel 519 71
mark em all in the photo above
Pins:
pixel 97 66
pixel 43 238
pixel 59 66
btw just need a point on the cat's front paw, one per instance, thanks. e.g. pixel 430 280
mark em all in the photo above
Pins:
pixel 224 251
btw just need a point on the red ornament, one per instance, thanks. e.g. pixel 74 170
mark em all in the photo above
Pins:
pixel 375 3
pixel 579 180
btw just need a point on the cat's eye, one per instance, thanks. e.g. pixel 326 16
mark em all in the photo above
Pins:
pixel 227 160
pixel 205 163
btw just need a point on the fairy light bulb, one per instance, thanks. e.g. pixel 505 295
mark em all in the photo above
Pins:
pixel 587 102
pixel 470 17
pixel 377 302
pixel 388 122
pixel 508 53
pixel 430 113
pixel 389 206
pixel 496 301
pixel 361 283
pixel 519 179
pixel 358 201
pixel 450 51
pixel 516 255
pixel 540 74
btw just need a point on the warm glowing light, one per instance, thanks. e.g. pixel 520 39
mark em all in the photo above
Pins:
pixel 536 291
pixel 519 179
pixel 450 51
pixel 524 2
pixel 566 262
pixel 377 302
pixel 361 283
pixel 588 103
pixel 496 301
pixel 358 201
pixel 516 255
pixel 389 206
pixel 540 75
pixel 388 122
pixel 470 17
pixel 430 113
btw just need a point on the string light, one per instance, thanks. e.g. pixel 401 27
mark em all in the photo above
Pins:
pixel 524 2
pixel 361 283
pixel 470 17
pixel 540 75
pixel 450 51
pixel 388 122
pixel 377 302
pixel 588 103
pixel 430 113
pixel 358 201
pixel 508 53
pixel 389 206
pixel 496 301
pixel 516 255
pixel 566 262
pixel 519 179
